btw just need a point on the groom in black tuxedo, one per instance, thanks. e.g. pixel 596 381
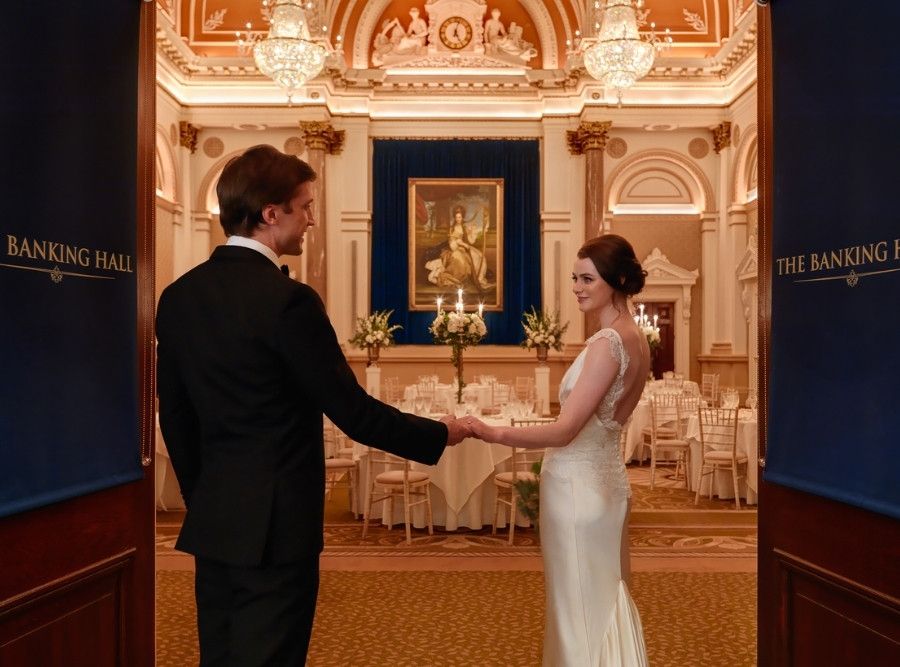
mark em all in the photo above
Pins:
pixel 248 363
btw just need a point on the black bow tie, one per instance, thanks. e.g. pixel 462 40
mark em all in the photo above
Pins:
pixel 286 270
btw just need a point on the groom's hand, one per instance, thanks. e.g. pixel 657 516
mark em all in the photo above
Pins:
pixel 456 431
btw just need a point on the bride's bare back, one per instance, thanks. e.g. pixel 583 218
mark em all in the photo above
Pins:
pixel 638 352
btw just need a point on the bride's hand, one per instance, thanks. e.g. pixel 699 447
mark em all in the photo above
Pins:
pixel 479 429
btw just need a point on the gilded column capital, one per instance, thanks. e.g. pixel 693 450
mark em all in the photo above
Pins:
pixel 590 135
pixel 322 136
pixel 722 136
pixel 187 135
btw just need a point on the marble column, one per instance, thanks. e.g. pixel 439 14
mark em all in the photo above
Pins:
pixel 725 283
pixel 590 140
pixel 320 139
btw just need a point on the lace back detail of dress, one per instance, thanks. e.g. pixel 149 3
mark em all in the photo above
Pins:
pixel 596 447
pixel 608 407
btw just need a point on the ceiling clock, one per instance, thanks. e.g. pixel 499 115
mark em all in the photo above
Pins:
pixel 455 33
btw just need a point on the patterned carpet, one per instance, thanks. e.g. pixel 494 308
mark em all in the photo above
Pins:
pixel 664 523
pixel 433 619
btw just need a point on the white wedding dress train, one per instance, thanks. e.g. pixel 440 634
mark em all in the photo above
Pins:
pixel 591 620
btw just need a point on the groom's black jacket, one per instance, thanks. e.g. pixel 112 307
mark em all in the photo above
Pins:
pixel 247 363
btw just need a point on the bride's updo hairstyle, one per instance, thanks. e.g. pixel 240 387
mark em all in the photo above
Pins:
pixel 616 263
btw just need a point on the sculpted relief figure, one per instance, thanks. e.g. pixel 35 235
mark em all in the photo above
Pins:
pixel 393 40
pixel 497 41
pixel 494 30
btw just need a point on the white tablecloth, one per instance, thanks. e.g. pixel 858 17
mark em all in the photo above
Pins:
pixel 689 386
pixel 747 444
pixel 445 394
pixel 462 485
pixel 641 418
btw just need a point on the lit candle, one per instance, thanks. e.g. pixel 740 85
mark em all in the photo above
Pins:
pixel 480 310
pixel 459 295
pixel 655 317
pixel 440 300
pixel 641 306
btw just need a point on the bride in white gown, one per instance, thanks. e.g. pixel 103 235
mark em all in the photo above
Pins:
pixel 591 619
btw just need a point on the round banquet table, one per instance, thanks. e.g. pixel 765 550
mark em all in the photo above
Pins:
pixel 747 445
pixel 462 485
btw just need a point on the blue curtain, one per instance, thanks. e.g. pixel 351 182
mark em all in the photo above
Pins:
pixel 515 161
pixel 833 424
pixel 68 347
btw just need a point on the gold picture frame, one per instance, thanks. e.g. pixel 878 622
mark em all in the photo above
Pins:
pixel 455 241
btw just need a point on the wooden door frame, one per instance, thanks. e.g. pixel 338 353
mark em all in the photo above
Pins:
pixel 845 562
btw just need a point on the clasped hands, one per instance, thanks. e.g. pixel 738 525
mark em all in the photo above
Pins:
pixel 465 427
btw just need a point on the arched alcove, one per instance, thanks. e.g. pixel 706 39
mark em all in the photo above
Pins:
pixel 166 168
pixel 659 182
pixel 744 174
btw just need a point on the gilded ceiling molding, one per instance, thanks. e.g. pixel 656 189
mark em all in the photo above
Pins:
pixel 318 135
pixel 187 135
pixel 722 136
pixel 589 135
pixel 615 180
pixel 547 31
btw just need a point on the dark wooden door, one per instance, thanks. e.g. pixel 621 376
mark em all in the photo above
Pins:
pixel 829 572
pixel 664 358
pixel 77 576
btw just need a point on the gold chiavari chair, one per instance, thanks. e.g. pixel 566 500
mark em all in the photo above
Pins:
pixel 340 467
pixel 666 409
pixel 397 480
pixel 718 441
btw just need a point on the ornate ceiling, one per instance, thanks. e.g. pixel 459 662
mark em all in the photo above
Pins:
pixel 197 41
pixel 699 27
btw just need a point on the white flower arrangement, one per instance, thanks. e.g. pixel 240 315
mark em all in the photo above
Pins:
pixel 458 329
pixel 374 330
pixel 542 330
pixel 652 334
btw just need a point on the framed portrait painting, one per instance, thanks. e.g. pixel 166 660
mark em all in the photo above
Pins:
pixel 456 241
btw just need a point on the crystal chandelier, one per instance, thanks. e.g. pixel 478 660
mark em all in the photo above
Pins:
pixel 288 55
pixel 619 56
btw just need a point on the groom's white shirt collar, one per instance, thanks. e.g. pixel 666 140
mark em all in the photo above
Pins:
pixel 253 244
